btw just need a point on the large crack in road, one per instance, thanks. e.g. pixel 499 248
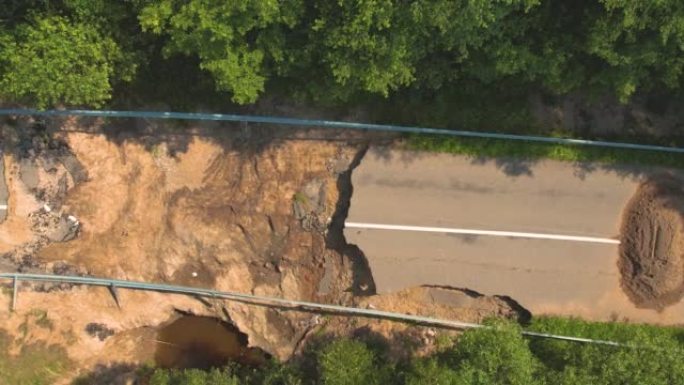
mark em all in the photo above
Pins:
pixel 363 283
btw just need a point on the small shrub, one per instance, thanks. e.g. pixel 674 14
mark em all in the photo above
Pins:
pixel 496 355
pixel 430 372
pixel 41 318
pixel 299 197
pixel 194 377
pixel 348 362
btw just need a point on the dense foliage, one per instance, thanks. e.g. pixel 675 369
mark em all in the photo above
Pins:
pixel 499 355
pixel 81 52
pixel 51 60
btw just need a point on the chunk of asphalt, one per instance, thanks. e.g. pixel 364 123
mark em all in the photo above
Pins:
pixel 74 167
pixel 64 230
pixel 28 172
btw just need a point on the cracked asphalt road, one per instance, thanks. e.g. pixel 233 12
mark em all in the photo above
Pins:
pixel 3 189
pixel 545 197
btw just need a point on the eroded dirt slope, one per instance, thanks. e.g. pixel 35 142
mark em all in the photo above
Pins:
pixel 212 216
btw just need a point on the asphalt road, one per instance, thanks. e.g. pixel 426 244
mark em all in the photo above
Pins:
pixel 3 190
pixel 557 276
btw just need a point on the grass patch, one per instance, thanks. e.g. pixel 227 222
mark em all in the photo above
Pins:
pixel 157 151
pixel 299 197
pixel 41 318
pixel 36 364
pixel 499 148
pixel 443 341
pixel 37 317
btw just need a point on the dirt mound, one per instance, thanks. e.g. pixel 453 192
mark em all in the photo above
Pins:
pixel 652 248
pixel 430 301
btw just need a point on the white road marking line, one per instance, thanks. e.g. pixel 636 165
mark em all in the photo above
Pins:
pixel 3 207
pixel 557 237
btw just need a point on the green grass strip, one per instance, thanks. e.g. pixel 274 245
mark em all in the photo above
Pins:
pixel 499 148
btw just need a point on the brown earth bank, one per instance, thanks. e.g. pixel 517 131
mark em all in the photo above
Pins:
pixel 652 247
pixel 250 210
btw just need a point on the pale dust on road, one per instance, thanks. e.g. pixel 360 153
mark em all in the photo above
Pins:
pixel 545 276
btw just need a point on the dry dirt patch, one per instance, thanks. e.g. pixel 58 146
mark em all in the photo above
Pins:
pixel 217 215
pixel 651 259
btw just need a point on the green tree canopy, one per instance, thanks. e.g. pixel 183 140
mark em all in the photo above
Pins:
pixel 52 61
pixel 646 359
pixel 238 42
pixel 496 355
pixel 641 44
pixel 342 50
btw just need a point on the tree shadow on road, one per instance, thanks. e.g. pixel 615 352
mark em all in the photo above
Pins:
pixel 521 166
